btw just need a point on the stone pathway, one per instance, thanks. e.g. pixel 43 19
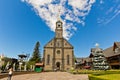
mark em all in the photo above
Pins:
pixel 50 76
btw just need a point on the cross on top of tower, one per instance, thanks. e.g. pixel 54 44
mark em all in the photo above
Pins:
pixel 58 15
pixel 97 45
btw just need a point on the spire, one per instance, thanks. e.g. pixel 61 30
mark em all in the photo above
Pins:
pixel 59 29
pixel 58 15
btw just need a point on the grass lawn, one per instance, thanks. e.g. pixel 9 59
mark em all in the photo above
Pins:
pixel 105 77
pixel 100 75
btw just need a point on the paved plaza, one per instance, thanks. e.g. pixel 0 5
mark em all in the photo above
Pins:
pixel 50 76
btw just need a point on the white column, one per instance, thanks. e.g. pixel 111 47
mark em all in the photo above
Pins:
pixel 31 67
pixel 14 67
pixel 20 66
pixel 25 67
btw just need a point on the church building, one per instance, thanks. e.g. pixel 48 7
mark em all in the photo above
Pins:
pixel 58 52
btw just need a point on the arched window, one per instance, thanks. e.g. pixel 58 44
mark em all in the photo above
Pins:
pixel 68 58
pixel 48 59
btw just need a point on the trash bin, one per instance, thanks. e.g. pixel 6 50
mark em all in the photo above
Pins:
pixel 38 69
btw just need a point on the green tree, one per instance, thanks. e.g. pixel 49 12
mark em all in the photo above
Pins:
pixel 36 57
pixel 6 60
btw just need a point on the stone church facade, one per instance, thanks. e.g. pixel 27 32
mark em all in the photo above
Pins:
pixel 58 52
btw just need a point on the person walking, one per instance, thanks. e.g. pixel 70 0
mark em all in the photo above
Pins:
pixel 10 73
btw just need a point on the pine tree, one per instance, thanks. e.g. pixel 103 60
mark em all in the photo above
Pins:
pixel 36 57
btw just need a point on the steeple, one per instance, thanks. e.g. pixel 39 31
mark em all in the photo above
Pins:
pixel 58 15
pixel 59 27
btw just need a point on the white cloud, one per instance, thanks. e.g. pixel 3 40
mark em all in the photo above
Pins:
pixel 111 12
pixel 117 12
pixel 48 11
pixel 80 4
pixel 101 1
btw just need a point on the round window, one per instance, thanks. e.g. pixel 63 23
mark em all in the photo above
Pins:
pixel 58 51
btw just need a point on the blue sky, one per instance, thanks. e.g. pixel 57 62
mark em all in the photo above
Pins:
pixel 24 22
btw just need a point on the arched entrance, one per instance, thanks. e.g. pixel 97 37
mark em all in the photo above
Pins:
pixel 58 65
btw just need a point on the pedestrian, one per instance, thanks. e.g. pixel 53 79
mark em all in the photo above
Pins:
pixel 10 73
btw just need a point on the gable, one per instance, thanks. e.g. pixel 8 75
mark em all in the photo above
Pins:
pixel 67 44
pixel 116 45
pixel 50 44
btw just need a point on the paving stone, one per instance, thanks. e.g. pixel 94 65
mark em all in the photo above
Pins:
pixel 50 76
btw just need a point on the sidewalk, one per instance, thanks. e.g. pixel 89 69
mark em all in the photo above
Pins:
pixel 50 76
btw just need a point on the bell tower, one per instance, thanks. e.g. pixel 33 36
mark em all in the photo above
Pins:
pixel 59 29
pixel 59 26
